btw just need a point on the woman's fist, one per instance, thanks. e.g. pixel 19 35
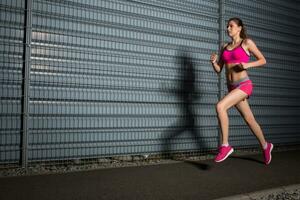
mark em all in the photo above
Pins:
pixel 213 58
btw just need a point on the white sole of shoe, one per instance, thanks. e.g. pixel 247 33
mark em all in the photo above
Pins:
pixel 270 154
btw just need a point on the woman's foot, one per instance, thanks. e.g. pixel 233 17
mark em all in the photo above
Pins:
pixel 224 152
pixel 267 153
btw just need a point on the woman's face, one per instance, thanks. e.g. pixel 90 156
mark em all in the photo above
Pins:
pixel 233 29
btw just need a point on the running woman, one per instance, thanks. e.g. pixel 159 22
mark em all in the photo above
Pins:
pixel 235 56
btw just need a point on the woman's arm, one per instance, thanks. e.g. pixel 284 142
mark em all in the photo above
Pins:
pixel 217 64
pixel 260 59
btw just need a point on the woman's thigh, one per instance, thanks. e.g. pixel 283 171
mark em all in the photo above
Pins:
pixel 232 99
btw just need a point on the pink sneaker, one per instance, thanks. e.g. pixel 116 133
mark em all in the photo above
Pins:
pixel 224 152
pixel 267 153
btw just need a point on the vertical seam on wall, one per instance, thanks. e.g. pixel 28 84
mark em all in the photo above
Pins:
pixel 26 82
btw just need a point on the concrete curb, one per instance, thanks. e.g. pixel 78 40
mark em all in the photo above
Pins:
pixel 262 193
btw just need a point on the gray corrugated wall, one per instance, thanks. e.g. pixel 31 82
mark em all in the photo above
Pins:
pixel 101 71
pixel 11 64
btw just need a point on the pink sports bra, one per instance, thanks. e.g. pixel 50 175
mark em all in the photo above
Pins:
pixel 236 55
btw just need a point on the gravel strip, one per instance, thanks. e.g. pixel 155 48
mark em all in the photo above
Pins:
pixel 291 192
pixel 81 165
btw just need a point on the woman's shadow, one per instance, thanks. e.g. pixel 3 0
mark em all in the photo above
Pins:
pixel 186 93
pixel 248 159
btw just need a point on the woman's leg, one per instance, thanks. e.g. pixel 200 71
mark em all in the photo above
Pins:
pixel 245 110
pixel 231 99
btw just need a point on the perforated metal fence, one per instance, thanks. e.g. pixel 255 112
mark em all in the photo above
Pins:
pixel 89 79
pixel 11 67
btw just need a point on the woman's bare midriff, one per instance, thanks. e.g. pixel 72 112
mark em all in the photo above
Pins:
pixel 232 74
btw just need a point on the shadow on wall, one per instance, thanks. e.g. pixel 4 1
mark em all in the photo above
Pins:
pixel 186 94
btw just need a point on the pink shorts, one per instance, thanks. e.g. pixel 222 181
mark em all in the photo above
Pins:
pixel 244 84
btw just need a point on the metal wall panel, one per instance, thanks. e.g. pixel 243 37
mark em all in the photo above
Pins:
pixel 11 63
pixel 273 25
pixel 101 71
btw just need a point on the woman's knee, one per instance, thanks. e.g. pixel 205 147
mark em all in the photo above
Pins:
pixel 220 107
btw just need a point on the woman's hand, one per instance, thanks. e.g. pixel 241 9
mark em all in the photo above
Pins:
pixel 240 67
pixel 213 58
pixel 217 65
pixel 244 66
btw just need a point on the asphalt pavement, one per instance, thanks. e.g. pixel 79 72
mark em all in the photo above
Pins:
pixel 177 181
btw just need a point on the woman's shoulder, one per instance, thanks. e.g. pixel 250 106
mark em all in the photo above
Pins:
pixel 248 41
pixel 249 44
